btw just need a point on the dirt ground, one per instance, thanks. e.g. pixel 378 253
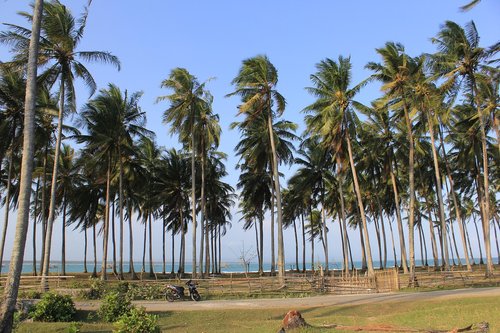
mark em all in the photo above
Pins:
pixel 316 301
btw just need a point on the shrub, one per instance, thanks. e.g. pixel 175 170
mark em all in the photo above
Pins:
pixel 30 294
pixel 136 320
pixel 145 292
pixel 54 307
pixel 113 306
pixel 96 290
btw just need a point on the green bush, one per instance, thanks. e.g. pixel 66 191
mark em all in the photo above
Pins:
pixel 145 292
pixel 113 306
pixel 95 291
pixel 137 321
pixel 30 294
pixel 54 307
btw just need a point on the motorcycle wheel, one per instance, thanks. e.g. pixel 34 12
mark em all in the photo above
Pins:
pixel 169 297
pixel 196 297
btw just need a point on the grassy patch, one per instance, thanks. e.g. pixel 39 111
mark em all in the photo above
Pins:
pixel 442 314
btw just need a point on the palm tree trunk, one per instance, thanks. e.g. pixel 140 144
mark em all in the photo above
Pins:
pixel 393 245
pixel 297 246
pixel 342 213
pixel 371 272
pixel 273 237
pixel 113 238
pixel 261 245
pixel 303 244
pixel 53 189
pixel 131 268
pixel 379 242
pixel 173 252
pixel 144 241
pixel 120 207
pixel 420 236
pixel 94 272
pixel 411 213
pixel 451 192
pixel 257 246
pixel 106 222
pixel 163 247
pixel 220 250
pixel 85 245
pixel 481 262
pixel 452 232
pixel 44 206
pixel 182 260
pixel 439 191
pixel 364 265
pixel 469 245
pixel 7 210
pixel 433 239
pixel 384 238
pixel 486 196
pixel 277 189
pixel 63 238
pixel 16 260
pixel 325 229
pixel 496 242
pixel 35 217
pixel 151 267
pixel 193 201
pixel 204 219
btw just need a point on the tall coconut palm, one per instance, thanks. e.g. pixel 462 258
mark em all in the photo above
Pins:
pixel 460 56
pixel 188 99
pixel 332 87
pixel 396 73
pixel 256 84
pixel 60 36
pixel 113 119
pixel 16 262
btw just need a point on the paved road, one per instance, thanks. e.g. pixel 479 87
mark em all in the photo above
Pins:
pixel 315 301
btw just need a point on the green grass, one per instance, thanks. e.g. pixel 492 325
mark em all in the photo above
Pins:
pixel 445 314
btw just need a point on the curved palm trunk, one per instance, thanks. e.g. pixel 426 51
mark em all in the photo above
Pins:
pixel 106 223
pixel 342 216
pixel 371 272
pixel 277 189
pixel 486 184
pixel 411 214
pixel 439 192
pixel 379 241
pixel 402 245
pixel 53 189
pixel 7 210
pixel 16 261
pixel 481 262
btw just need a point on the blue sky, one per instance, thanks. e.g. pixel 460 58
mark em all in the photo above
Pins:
pixel 211 38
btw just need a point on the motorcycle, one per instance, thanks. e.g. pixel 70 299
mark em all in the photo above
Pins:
pixel 177 292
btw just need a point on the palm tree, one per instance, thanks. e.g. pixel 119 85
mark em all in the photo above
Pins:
pixel 60 36
pixel 460 56
pixel 333 105
pixel 396 73
pixel 16 261
pixel 188 99
pixel 256 84
pixel 113 119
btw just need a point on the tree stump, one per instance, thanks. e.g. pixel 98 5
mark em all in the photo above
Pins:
pixel 293 319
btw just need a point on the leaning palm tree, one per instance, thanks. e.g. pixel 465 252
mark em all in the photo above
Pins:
pixel 459 57
pixel 16 262
pixel 256 84
pixel 334 107
pixel 188 99
pixel 396 73
pixel 60 36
